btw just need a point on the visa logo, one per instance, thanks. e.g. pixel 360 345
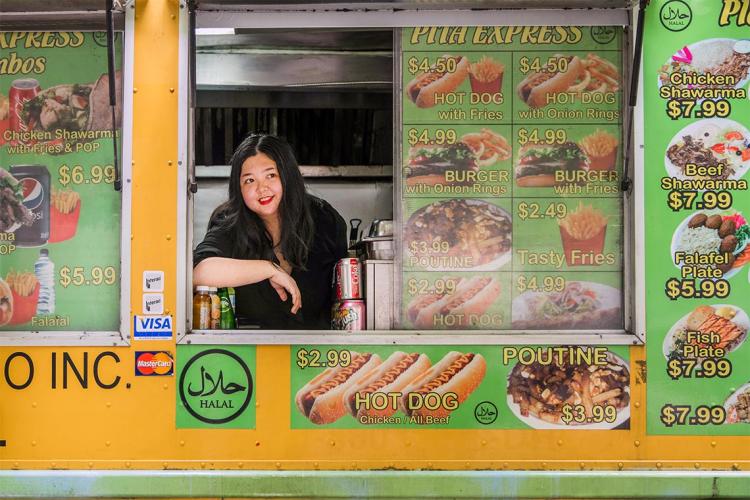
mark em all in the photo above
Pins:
pixel 152 327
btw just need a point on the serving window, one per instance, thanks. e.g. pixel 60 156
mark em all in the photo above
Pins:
pixel 509 161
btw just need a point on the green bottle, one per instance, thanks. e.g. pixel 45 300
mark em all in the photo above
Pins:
pixel 227 313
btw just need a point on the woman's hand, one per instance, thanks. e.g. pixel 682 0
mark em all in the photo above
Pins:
pixel 283 283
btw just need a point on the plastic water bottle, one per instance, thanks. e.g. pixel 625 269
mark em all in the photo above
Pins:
pixel 44 270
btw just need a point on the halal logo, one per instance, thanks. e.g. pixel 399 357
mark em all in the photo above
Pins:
pixel 216 386
pixel 675 15
pixel 100 37
pixel 485 412
pixel 603 34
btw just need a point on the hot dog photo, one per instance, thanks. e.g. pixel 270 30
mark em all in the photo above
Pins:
pixel 459 301
pixel 457 87
pixel 402 386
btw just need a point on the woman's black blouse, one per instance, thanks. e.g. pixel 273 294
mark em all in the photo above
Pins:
pixel 259 304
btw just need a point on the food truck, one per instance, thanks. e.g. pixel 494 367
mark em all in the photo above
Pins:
pixel 546 291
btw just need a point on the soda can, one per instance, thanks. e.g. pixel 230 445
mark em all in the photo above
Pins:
pixel 348 315
pixel 347 280
pixel 21 90
pixel 35 181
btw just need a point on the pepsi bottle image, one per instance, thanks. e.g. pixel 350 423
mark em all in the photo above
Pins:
pixel 35 181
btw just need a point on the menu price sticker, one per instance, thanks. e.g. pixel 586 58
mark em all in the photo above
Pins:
pixel 423 137
pixel 598 414
pixel 697 289
pixel 548 138
pixel 316 358
pixel 85 276
pixel 677 109
pixel 78 174
pixel 688 415
pixel 708 200
pixel 708 368
pixel 406 387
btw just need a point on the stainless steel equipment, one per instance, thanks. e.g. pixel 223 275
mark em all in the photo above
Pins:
pixel 379 294
pixel 379 248
pixel 381 227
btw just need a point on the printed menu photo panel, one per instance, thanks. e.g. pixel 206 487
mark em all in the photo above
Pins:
pixel 511 174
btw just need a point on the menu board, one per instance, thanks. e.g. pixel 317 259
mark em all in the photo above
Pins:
pixel 510 178
pixel 59 213
pixel 460 387
pixel 697 152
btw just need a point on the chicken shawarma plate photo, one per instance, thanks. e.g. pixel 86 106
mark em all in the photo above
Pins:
pixel 716 56
pixel 74 106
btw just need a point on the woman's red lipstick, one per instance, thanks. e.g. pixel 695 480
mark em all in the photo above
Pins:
pixel 265 201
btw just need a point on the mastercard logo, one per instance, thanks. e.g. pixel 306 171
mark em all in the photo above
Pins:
pixel 154 363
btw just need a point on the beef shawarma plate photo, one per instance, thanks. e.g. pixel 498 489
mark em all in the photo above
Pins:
pixel 709 143
pixel 458 234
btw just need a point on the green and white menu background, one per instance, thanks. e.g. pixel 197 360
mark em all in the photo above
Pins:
pixel 697 112
pixel 79 286
pixel 443 243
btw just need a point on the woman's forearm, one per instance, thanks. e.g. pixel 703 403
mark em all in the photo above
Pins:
pixel 223 272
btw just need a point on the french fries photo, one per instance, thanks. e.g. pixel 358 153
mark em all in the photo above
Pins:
pixel 65 209
pixel 583 232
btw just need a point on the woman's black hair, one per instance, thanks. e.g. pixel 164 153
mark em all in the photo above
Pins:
pixel 246 228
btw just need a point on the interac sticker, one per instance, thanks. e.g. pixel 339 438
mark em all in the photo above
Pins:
pixel 216 387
